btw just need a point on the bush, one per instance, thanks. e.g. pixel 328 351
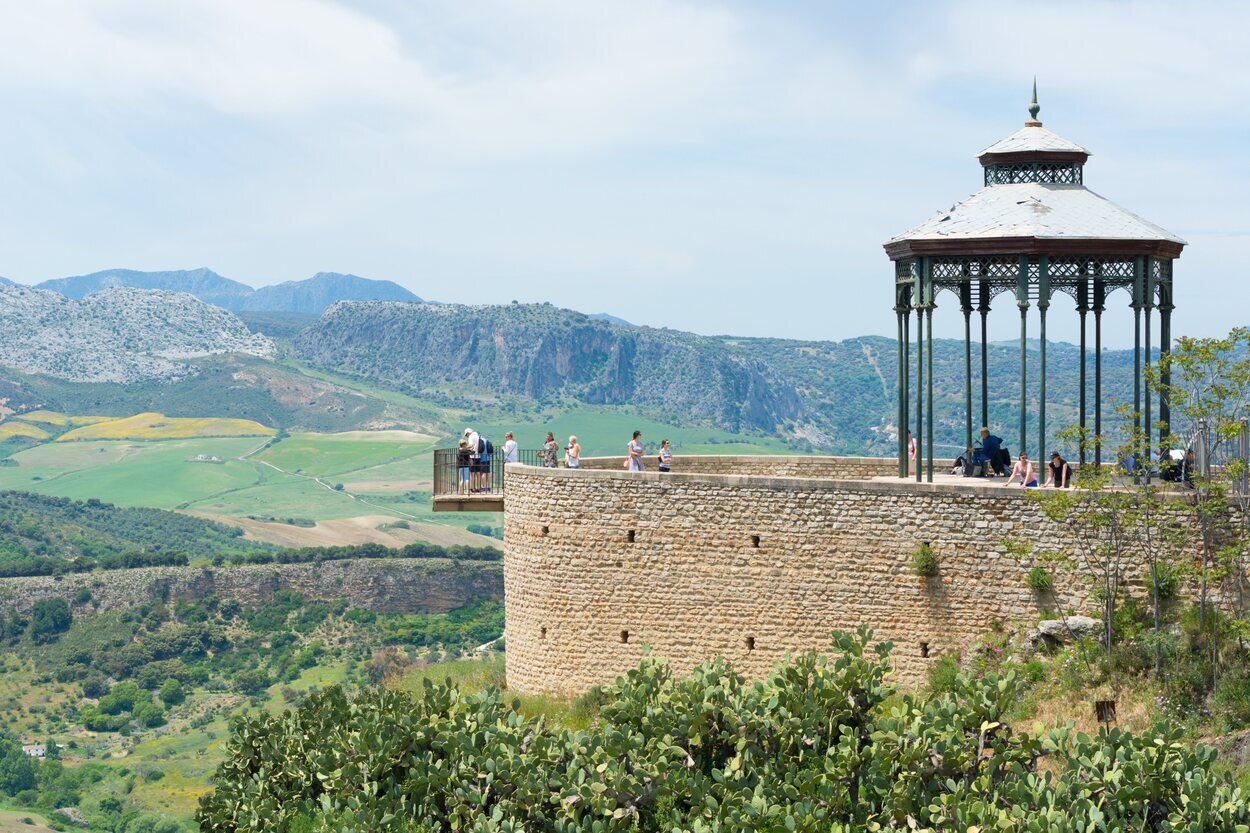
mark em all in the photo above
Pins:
pixel 49 618
pixel 1040 580
pixel 925 561
pixel 172 693
pixel 823 743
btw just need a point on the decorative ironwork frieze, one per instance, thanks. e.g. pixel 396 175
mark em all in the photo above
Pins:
pixel 1014 173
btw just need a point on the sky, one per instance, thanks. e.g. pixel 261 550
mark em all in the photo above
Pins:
pixel 725 167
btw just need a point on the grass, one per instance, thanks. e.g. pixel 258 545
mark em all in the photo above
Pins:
pixel 159 474
pixel 13 821
pixel 326 455
pixel 11 429
pixel 155 426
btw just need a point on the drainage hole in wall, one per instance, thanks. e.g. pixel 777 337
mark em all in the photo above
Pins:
pixel 750 643
pixel 546 530
pixel 631 536
pixel 542 632
pixel 620 563
pixel 924 649
pixel 624 637
pixel 755 541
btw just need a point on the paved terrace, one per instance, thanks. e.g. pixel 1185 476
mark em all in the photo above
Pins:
pixel 778 471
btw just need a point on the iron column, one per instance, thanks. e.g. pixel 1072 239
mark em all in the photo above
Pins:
pixel 1022 301
pixel 984 309
pixel 1043 304
pixel 965 300
pixel 1100 297
pixel 1082 307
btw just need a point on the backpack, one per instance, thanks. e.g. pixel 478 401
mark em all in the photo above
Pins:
pixel 485 448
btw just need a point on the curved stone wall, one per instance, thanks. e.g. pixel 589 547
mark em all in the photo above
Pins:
pixel 600 564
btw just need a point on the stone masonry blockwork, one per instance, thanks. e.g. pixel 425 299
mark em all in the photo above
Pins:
pixel 601 565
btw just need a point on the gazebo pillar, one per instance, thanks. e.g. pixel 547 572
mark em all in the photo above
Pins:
pixel 984 309
pixel 1043 304
pixel 1165 351
pixel 900 310
pixel 1138 291
pixel 1082 308
pixel 1148 305
pixel 928 312
pixel 1100 299
pixel 1022 301
pixel 965 305
pixel 917 433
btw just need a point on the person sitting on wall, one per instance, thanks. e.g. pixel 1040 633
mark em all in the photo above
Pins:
pixel 991 452
pixel 963 463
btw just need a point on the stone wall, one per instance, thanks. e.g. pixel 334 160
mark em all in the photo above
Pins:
pixel 383 585
pixel 600 564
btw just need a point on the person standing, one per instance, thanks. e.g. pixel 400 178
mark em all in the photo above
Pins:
pixel 509 448
pixel 550 449
pixel 573 454
pixel 462 468
pixel 474 440
pixel 666 456
pixel 635 449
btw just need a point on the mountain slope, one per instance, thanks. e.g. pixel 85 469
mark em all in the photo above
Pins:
pixel 313 295
pixel 204 284
pixel 116 335
pixel 546 353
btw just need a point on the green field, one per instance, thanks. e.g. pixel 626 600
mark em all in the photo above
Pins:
pixel 133 473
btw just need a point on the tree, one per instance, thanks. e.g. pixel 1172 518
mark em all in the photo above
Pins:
pixel 1207 384
pixel 49 618
pixel 17 769
pixel 171 692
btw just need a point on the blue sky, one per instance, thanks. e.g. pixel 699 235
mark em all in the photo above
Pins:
pixel 717 167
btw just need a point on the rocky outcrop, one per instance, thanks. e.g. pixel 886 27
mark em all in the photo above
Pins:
pixel 1053 632
pixel 385 585
pixel 117 335
pixel 546 353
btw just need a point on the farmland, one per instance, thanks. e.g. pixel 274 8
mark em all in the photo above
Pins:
pixel 154 426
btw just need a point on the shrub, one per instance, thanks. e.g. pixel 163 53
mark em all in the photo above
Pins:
pixel 925 561
pixel 823 743
pixel 1040 580
pixel 1166 579
pixel 49 618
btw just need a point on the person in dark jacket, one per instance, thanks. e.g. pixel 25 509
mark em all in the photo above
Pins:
pixel 991 452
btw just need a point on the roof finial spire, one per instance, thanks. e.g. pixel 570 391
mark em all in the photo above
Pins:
pixel 1034 109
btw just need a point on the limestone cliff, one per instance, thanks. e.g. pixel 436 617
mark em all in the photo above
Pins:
pixel 395 585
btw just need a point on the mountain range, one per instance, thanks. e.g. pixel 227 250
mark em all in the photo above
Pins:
pixel 123 348
pixel 117 335
pixel 310 296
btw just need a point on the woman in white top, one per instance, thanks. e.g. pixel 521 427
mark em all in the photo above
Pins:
pixel 509 448
pixel 573 454
pixel 1023 471
pixel 635 453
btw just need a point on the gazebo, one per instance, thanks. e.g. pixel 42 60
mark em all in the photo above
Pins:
pixel 1034 230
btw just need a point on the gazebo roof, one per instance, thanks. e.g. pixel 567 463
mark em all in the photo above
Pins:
pixel 1033 138
pixel 1040 210
pixel 1035 202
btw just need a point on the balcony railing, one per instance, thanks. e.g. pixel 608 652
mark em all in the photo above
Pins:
pixel 479 480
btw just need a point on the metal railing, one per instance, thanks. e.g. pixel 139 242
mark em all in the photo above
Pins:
pixel 478 479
